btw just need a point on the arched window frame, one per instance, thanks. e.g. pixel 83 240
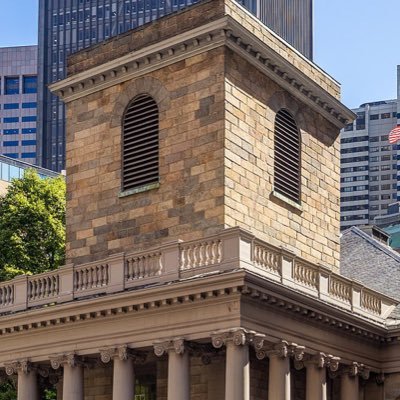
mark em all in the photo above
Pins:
pixel 135 164
pixel 287 157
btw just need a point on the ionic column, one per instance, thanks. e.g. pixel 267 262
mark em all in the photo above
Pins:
pixel 123 372
pixel 237 366
pixel 316 387
pixel 178 368
pixel 279 386
pixel 349 383
pixel 27 380
pixel 73 375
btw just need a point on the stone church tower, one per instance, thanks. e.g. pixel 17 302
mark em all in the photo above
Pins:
pixel 218 81
pixel 203 229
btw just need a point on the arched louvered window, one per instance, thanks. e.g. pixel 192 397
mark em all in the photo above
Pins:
pixel 140 143
pixel 287 156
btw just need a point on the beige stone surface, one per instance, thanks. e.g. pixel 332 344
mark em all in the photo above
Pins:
pixel 216 164
pixel 189 201
pixel 251 103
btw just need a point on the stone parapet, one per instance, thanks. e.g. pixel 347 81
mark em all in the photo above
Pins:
pixel 232 249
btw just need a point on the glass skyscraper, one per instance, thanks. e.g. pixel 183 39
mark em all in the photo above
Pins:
pixel 66 26
pixel 18 102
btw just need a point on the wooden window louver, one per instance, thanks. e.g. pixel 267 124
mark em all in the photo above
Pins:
pixel 140 148
pixel 287 156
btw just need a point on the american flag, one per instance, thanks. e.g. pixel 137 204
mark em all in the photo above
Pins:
pixel 394 135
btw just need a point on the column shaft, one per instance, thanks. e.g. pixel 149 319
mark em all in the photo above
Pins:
pixel 316 383
pixel 178 376
pixel 237 379
pixel 27 386
pixel 279 378
pixel 123 379
pixel 73 383
pixel 349 387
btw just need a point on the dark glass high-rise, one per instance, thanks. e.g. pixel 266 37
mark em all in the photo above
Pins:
pixel 67 26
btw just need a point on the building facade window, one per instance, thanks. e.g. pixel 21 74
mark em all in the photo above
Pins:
pixel 11 84
pixel 30 84
pixel 140 143
pixel 31 118
pixel 287 156
pixel 11 106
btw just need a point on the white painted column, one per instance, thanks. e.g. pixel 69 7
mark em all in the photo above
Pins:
pixel 73 382
pixel 27 385
pixel 178 367
pixel 237 375
pixel 316 388
pixel 279 387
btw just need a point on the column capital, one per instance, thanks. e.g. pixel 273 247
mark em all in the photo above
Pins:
pixel 123 353
pixel 20 366
pixel 237 336
pixel 356 369
pixel 282 349
pixel 322 360
pixel 162 347
pixel 70 359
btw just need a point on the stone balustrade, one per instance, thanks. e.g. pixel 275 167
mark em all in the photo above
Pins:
pixel 232 249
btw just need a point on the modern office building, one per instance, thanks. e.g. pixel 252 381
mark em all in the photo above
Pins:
pixel 11 169
pixel 18 102
pixel 369 164
pixel 66 26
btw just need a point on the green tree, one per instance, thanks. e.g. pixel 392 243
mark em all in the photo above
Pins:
pixel 32 225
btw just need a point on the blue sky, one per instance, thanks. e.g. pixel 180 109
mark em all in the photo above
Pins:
pixel 354 41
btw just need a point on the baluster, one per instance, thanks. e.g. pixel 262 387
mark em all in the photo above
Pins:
pixel 152 265
pixel 134 268
pixel 129 269
pixel 85 278
pixel 100 275
pixel 184 259
pixel 149 265
pixel 107 274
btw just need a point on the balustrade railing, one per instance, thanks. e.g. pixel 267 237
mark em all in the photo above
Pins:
pixel 200 254
pixel 306 274
pixel 340 289
pixel 6 294
pixel 91 277
pixel 267 258
pixel 43 287
pixel 231 250
pixel 143 266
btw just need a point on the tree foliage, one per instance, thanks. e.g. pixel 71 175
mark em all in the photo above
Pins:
pixel 32 225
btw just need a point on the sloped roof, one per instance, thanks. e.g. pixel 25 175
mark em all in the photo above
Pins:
pixel 370 262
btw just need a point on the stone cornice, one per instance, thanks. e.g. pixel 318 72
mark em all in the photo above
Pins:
pixel 142 62
pixel 116 307
pixel 212 288
pixel 225 31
